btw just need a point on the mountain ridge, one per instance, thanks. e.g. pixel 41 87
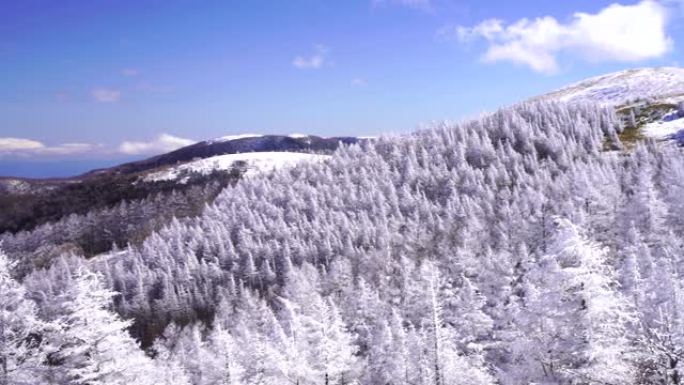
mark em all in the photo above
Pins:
pixel 214 147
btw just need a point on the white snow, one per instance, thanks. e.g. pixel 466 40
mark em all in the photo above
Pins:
pixel 298 135
pixel 665 129
pixel 16 185
pixel 256 162
pixel 228 138
pixel 108 257
pixel 663 83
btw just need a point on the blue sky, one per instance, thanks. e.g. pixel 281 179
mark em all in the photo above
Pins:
pixel 112 79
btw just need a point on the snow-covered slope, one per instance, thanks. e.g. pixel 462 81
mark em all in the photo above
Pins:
pixel 229 138
pixel 254 162
pixel 664 84
pixel 669 127
pixel 233 144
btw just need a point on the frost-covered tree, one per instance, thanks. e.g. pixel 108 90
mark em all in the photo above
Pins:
pixel 23 352
pixel 574 324
pixel 93 346
pixel 332 345
pixel 448 365
pixel 661 330
pixel 228 369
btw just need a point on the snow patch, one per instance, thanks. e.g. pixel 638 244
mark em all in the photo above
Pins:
pixel 664 129
pixel 255 163
pixel 228 138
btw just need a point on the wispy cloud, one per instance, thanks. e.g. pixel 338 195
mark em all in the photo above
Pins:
pixel 30 147
pixel 359 82
pixel 19 144
pixel 622 33
pixel 23 147
pixel 71 149
pixel 314 61
pixel 130 72
pixel 105 95
pixel 424 5
pixel 161 144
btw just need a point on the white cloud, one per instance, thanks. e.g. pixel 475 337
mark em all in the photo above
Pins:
pixel 70 149
pixel 130 72
pixel 623 33
pixel 106 95
pixel 19 144
pixel 22 147
pixel 27 147
pixel 161 144
pixel 314 61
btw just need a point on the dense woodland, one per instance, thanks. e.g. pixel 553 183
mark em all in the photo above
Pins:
pixel 512 249
pixel 94 215
pixel 25 211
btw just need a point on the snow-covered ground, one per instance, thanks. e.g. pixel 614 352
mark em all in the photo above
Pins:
pixel 665 83
pixel 228 138
pixel 256 163
pixel 668 128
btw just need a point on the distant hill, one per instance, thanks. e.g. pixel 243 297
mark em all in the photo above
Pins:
pixel 233 145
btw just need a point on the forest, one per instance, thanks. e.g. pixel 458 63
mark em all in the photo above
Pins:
pixel 528 246
pixel 25 210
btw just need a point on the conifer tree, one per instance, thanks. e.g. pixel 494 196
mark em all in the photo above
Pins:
pixel 93 346
pixel 23 351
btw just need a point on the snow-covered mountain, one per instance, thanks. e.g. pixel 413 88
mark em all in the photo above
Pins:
pixel 664 84
pixel 249 153
pixel 234 144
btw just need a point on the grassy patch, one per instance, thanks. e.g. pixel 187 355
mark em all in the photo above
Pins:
pixel 630 136
pixel 645 113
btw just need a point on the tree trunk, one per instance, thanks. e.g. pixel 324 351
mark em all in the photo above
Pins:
pixel 674 376
pixel 3 358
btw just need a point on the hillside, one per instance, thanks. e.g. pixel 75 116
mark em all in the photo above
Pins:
pixel 191 176
pixel 510 249
pixel 662 84
pixel 232 145
pixel 249 163
pixel 648 101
